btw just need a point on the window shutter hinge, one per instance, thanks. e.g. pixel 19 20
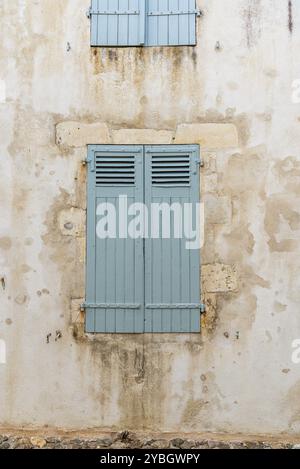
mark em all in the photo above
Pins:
pixel 89 161
pixel 202 308
pixel 175 12
pixel 200 13
pixel 85 306
pixel 89 12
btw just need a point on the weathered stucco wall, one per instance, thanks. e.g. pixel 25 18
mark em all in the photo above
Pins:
pixel 232 94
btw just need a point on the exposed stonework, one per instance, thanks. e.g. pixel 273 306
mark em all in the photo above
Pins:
pixel 77 134
pixel 209 160
pixel 210 184
pixel 72 222
pixel 141 136
pixel 129 440
pixel 217 209
pixel 209 136
pixel 77 315
pixel 219 278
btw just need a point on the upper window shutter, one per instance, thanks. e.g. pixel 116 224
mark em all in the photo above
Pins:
pixel 171 22
pixel 172 272
pixel 117 22
pixel 115 269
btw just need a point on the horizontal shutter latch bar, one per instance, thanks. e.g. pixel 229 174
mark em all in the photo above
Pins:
pixel 175 12
pixel 174 306
pixel 111 306
pixel 114 12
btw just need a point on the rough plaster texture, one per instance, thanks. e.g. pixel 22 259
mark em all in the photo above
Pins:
pixel 231 93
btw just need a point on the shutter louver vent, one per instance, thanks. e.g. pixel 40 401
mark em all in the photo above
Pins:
pixel 168 170
pixel 115 170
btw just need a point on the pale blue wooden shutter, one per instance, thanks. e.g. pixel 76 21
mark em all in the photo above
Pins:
pixel 115 267
pixel 171 22
pixel 172 272
pixel 142 285
pixel 117 22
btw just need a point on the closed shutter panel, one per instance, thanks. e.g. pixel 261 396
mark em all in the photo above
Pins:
pixel 115 268
pixel 171 22
pixel 172 272
pixel 117 22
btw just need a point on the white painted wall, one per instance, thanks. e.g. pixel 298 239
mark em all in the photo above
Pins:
pixel 237 376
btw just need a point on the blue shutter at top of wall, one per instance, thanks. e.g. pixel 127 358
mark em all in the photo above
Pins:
pixel 119 23
pixel 171 22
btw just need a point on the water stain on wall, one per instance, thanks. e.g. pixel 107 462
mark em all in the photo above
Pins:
pixel 290 16
pixel 5 243
pixel 252 21
pixel 288 172
pixel 279 307
pixel 280 215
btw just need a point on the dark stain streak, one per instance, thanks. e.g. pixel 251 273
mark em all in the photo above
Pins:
pixel 113 55
pixel 251 15
pixel 290 9
pixel 248 17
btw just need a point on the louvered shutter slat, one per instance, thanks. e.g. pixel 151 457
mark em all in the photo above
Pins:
pixel 115 171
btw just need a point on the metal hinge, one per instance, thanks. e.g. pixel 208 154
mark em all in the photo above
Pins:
pixel 91 12
pixel 91 162
pixel 84 306
pixel 113 12
pixel 202 308
pixel 200 163
pixel 174 12
pixel 173 306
